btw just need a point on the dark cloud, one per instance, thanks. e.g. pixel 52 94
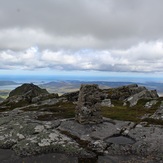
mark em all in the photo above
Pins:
pixel 109 23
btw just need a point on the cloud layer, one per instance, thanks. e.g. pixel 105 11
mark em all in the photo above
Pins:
pixel 145 57
pixel 104 35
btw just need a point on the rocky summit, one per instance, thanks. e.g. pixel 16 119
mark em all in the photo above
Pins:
pixel 123 121
pixel 25 95
pixel 29 90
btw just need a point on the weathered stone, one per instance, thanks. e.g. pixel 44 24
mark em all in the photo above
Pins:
pixel 107 102
pixel 159 113
pixel 124 92
pixel 132 92
pixel 88 106
pixel 149 140
pixel 20 136
pixel 94 131
pixel 39 128
pixel 149 104
pixel 99 146
pixel 145 94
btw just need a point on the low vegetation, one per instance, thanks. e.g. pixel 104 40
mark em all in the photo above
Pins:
pixel 118 112
pixel 60 110
pixel 127 113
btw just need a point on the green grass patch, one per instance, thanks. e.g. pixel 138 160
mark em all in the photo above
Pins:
pixel 127 113
pixel 63 109
pixel 59 110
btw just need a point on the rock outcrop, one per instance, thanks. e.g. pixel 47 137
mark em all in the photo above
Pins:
pixel 131 94
pixel 145 94
pixel 128 94
pixel 158 115
pixel 24 95
pixel 28 90
pixel 149 104
pixel 88 105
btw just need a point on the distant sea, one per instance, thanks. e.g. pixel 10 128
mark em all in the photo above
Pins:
pixel 44 78
pixel 9 87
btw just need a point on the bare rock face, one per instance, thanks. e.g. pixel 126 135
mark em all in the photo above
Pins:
pixel 159 113
pixel 145 94
pixel 88 106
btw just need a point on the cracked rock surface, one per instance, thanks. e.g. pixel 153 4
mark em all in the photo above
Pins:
pixel 25 135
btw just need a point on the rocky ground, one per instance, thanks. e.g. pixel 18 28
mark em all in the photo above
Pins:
pixel 23 131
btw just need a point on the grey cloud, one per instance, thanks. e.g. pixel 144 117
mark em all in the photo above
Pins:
pixel 110 24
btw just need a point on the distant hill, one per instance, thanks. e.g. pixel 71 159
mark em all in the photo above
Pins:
pixel 28 89
pixel 62 87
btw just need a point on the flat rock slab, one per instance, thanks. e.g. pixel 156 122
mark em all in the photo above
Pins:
pixel 8 156
pixel 89 132
pixel 27 136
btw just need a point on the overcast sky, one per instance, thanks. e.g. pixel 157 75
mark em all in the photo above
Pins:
pixel 81 35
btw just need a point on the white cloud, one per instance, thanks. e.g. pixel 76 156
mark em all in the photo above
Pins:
pixel 145 57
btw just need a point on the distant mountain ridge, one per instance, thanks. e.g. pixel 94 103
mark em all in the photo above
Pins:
pixel 72 85
pixel 66 86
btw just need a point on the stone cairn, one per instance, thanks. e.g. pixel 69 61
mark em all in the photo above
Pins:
pixel 88 105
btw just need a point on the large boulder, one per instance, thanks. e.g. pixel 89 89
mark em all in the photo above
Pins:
pixel 107 102
pixel 88 105
pixel 145 94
